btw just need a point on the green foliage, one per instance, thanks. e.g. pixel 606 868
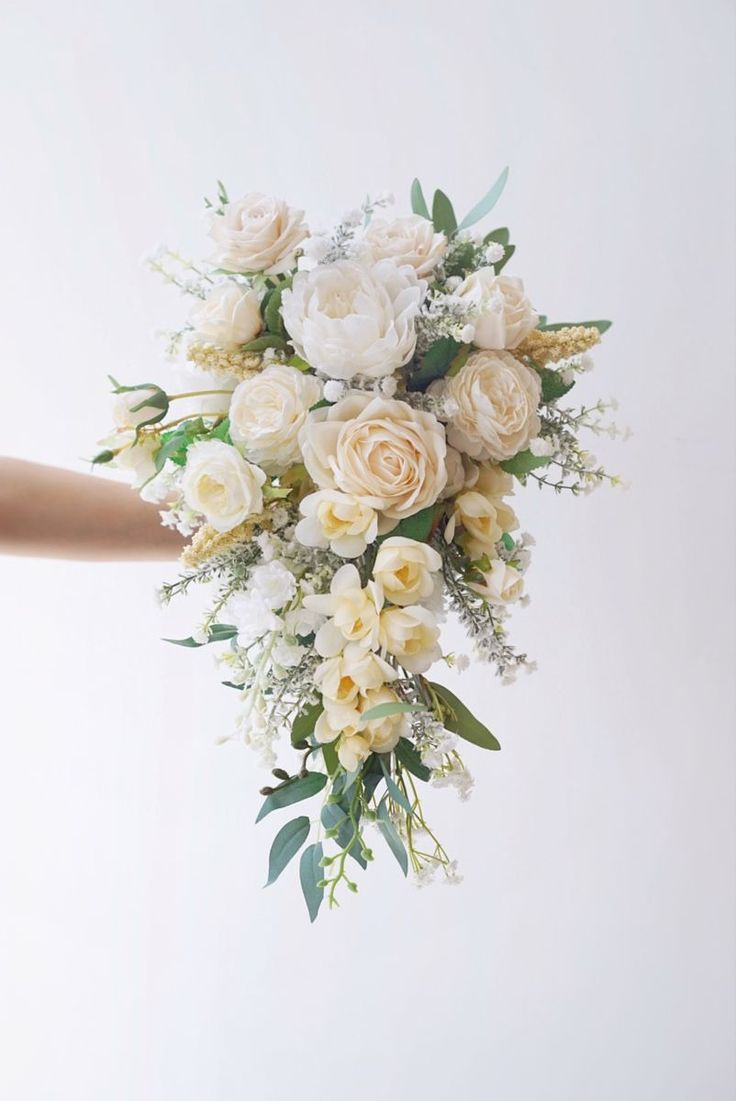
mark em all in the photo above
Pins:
pixel 418 526
pixel 155 398
pixel 174 444
pixel 499 236
pixel 394 790
pixel 310 877
pixel 408 756
pixel 102 457
pixel 329 755
pixel 218 632
pixel 303 726
pixel 394 707
pixel 286 844
pixel 443 216
pixel 553 384
pixel 508 542
pixel 393 840
pixel 268 340
pixel 487 203
pixel 435 364
pixel 334 817
pixel 418 202
pixel 271 307
pixel 294 791
pixel 457 718
pixel 221 431
pixel 523 463
pixel 510 250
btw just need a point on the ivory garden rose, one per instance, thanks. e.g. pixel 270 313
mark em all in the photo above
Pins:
pixel 257 234
pixel 230 315
pixel 411 240
pixel 385 453
pixel 219 483
pixel 267 413
pixel 505 315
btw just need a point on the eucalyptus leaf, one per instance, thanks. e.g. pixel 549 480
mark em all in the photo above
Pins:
pixel 417 527
pixel 311 874
pixel 487 203
pixel 523 463
pixel 286 844
pixel 393 840
pixel 443 216
pixel 499 236
pixel 218 632
pixel 394 707
pixel 329 756
pixel 303 725
pixel 435 364
pixel 418 202
pixel 302 787
pixel 394 790
pixel 408 756
pixel 457 718
pixel 270 340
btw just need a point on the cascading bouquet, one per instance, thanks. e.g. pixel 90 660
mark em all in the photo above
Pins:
pixel 368 398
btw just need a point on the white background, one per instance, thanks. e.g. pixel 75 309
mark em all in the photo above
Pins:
pixel 589 952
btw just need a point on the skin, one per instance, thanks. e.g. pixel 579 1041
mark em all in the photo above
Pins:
pixel 46 512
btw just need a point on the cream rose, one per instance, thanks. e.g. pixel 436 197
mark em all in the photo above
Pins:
pixel 230 315
pixel 219 483
pixel 257 233
pixel 338 521
pixel 349 319
pixel 384 452
pixel 267 412
pixel 411 240
pixel 411 635
pixel 505 314
pixel 404 568
pixel 495 399
pixel 353 612
pixel 502 584
pixel 483 521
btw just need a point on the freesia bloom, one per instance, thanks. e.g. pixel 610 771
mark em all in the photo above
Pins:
pixel 342 679
pixel 337 520
pixel 404 568
pixel 228 316
pixel 219 483
pixel 348 319
pixel 493 481
pixel 411 635
pixel 410 240
pixel 483 521
pixel 505 314
pixel 353 612
pixel 257 233
pixel 495 398
pixel 267 412
pixel 359 738
pixel 382 451
pixel 502 584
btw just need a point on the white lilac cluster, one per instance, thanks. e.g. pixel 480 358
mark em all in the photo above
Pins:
pixel 370 398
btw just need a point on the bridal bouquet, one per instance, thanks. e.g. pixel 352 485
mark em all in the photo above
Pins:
pixel 367 400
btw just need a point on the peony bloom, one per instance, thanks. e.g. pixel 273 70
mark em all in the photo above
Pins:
pixel 411 240
pixel 404 568
pixel 411 635
pixel 353 612
pixel 387 454
pixel 336 520
pixel 502 584
pixel 483 521
pixel 495 399
pixel 348 319
pixel 219 483
pixel 230 315
pixel 267 412
pixel 505 314
pixel 257 233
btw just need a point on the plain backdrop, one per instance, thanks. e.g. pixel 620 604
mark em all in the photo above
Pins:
pixel 589 952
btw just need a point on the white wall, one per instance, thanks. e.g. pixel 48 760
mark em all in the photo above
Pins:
pixel 589 952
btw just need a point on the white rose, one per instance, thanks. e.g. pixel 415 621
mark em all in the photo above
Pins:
pixel 409 240
pixel 484 521
pixel 495 400
pixel 228 316
pixel 348 319
pixel 353 612
pixel 502 584
pixel 219 483
pixel 411 635
pixel 257 233
pixel 404 568
pixel 505 314
pixel 267 412
pixel 343 678
pixel 338 521
pixel 124 411
pixel 382 451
